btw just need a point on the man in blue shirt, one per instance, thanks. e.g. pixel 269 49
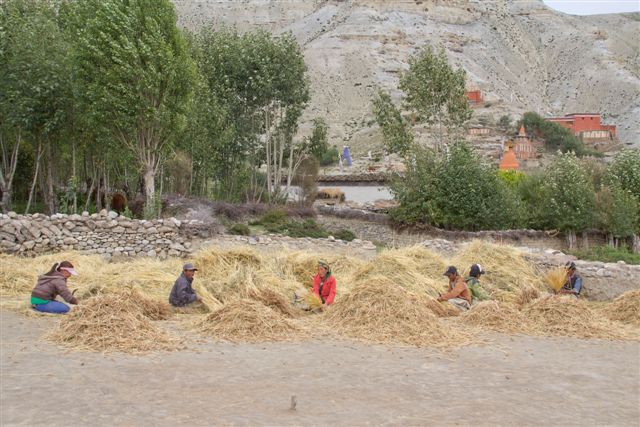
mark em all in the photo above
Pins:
pixel 573 286
pixel 182 293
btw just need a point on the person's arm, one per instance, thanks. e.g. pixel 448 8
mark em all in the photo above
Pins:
pixel 332 291
pixel 577 287
pixel 184 295
pixel 64 292
pixel 455 292
pixel 316 285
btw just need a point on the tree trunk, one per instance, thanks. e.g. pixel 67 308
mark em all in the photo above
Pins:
pixel 149 178
pixel 585 240
pixel 635 245
pixel 50 196
pixel 571 239
pixel 35 177
pixel 9 165
pixel 610 240
pixel 75 178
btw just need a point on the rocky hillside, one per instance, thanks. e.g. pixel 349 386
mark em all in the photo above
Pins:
pixel 521 54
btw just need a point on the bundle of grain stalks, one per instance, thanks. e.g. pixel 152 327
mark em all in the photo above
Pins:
pixel 274 300
pixel 568 316
pixel 625 308
pixel 383 312
pixel 556 278
pixel 527 294
pixel 441 309
pixel 112 323
pixel 495 316
pixel 247 320
pixel 506 267
pixel 212 262
pixel 415 269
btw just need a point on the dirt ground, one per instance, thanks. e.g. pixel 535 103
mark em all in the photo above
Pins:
pixel 512 381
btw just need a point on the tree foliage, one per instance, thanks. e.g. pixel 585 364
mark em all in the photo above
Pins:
pixel 395 129
pixel 555 137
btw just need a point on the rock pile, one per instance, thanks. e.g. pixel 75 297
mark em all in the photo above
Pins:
pixel 104 233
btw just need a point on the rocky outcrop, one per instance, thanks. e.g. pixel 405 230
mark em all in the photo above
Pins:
pixel 105 233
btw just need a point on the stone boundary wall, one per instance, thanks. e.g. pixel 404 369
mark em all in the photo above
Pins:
pixel 104 233
pixel 376 227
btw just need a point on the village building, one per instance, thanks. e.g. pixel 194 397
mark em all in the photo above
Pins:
pixel 586 126
pixel 523 147
pixel 509 161
pixel 474 97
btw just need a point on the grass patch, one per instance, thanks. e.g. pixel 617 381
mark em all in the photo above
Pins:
pixel 239 229
pixel 277 221
pixel 607 254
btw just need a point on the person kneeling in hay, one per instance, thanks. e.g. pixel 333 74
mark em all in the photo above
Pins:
pixel 50 285
pixel 459 295
pixel 573 285
pixel 473 283
pixel 182 293
pixel 324 284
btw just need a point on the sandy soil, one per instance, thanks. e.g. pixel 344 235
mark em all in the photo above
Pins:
pixel 514 381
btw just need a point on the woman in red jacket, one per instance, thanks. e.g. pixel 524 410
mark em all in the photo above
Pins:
pixel 324 284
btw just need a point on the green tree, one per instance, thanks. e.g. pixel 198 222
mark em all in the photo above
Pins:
pixel 136 76
pixel 318 143
pixel 618 213
pixel 436 92
pixel 555 136
pixel 455 190
pixel 395 130
pixel 624 173
pixel 504 123
pixel 569 197
pixel 34 90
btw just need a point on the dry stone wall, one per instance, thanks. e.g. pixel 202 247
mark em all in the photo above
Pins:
pixel 105 233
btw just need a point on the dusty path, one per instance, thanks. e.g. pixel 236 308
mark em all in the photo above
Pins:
pixel 518 381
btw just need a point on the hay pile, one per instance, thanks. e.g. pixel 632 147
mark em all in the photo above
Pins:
pixel 112 322
pixel 568 316
pixel 383 312
pixel 441 309
pixel 247 320
pixel 527 294
pixel 496 316
pixel 275 301
pixel 625 308
pixel 507 268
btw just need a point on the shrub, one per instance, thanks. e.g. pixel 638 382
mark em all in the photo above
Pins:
pixel 330 157
pixel 344 234
pixel 239 229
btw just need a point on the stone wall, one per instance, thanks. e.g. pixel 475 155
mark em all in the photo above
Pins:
pixel 105 233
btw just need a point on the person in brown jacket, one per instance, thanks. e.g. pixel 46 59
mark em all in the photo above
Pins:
pixel 459 295
pixel 50 285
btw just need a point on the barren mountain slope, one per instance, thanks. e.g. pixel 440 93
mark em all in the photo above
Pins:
pixel 521 54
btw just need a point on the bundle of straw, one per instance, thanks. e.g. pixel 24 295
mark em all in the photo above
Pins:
pixel 111 323
pixel 441 309
pixel 556 278
pixel 527 294
pixel 273 300
pixel 383 312
pixel 495 316
pixel 568 316
pixel 625 308
pixel 247 320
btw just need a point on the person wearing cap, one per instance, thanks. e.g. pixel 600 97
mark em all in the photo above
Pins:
pixel 182 293
pixel 459 295
pixel 473 283
pixel 50 285
pixel 324 284
pixel 573 285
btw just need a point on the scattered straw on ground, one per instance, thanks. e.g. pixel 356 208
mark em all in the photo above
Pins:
pixel 247 320
pixel 111 323
pixel 625 308
pixel 383 312
pixel 495 316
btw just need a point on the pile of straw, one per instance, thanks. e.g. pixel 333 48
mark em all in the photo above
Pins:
pixel 568 316
pixel 495 316
pixel 507 268
pixel 527 294
pixel 109 323
pixel 441 309
pixel 247 320
pixel 383 312
pixel 625 308
pixel 274 300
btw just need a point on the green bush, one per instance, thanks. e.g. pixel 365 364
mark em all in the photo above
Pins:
pixel 330 157
pixel 306 228
pixel 607 254
pixel 344 234
pixel 239 229
pixel 555 136
pixel 273 221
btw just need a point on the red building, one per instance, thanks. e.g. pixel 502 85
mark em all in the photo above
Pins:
pixel 523 147
pixel 509 161
pixel 586 125
pixel 474 96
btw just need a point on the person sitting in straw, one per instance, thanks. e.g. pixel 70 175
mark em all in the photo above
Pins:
pixel 459 295
pixel 182 293
pixel 573 285
pixel 50 285
pixel 473 283
pixel 324 284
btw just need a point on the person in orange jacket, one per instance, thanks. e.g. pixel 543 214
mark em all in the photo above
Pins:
pixel 324 284
pixel 459 295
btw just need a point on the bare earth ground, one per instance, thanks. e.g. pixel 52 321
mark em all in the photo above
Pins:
pixel 514 381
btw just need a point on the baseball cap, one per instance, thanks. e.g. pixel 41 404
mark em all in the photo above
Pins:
pixel 476 269
pixel 188 266
pixel 451 270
